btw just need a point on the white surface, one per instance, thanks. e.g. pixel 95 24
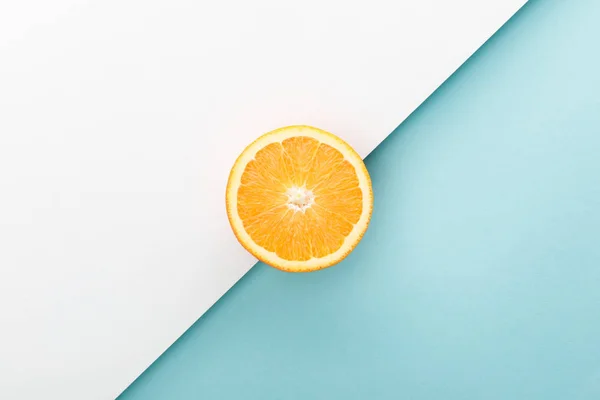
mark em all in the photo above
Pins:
pixel 119 121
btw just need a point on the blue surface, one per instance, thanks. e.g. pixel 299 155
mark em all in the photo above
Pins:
pixel 479 277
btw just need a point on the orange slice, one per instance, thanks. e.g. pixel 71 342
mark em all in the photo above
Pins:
pixel 299 199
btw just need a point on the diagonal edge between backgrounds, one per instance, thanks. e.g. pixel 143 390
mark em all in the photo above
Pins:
pixel 253 271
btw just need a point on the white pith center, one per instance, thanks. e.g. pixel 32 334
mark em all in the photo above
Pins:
pixel 300 198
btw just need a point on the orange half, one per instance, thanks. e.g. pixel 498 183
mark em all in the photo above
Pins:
pixel 299 199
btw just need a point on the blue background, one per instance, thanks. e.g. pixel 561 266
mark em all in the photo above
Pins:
pixel 479 277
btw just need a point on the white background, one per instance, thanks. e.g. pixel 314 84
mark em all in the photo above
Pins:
pixel 119 121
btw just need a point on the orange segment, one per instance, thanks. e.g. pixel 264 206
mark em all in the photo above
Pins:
pixel 299 198
pixel 299 153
